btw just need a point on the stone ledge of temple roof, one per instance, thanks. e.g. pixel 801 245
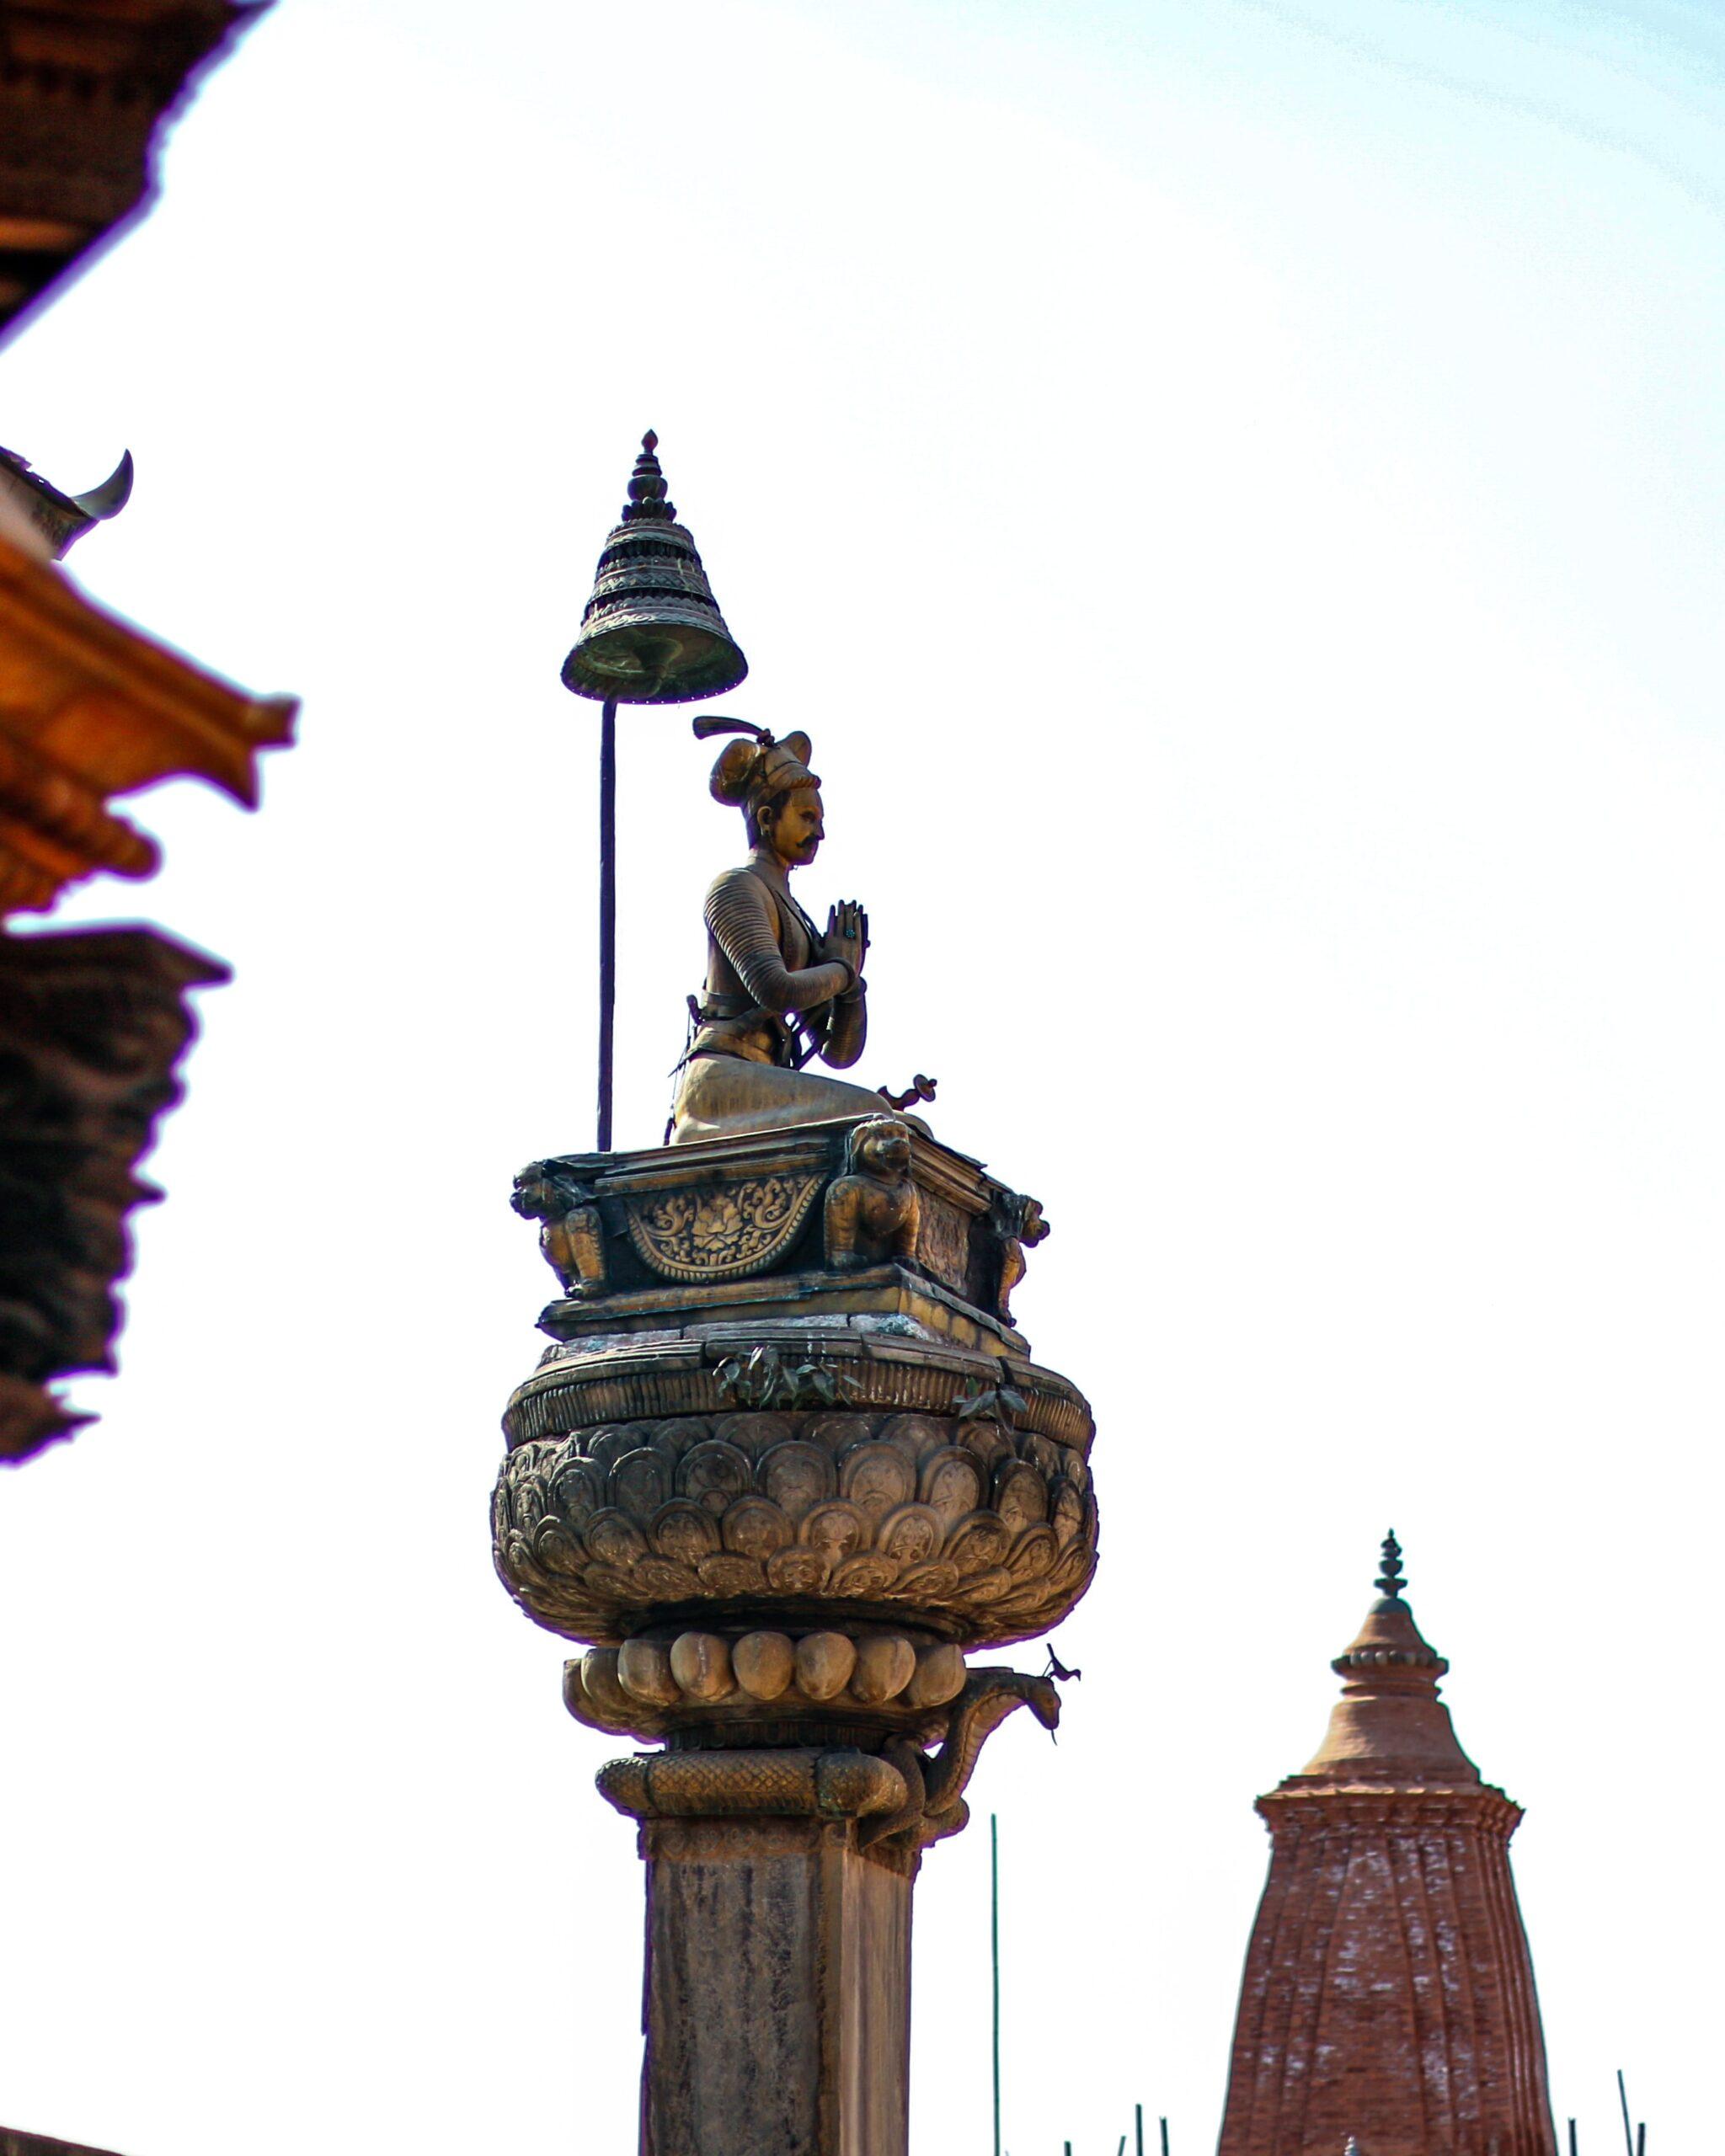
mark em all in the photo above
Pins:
pixel 1420 1658
pixel 1341 1806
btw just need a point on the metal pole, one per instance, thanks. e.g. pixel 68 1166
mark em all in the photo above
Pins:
pixel 1164 2125
pixel 1573 2146
pixel 1623 2099
pixel 1138 2122
pixel 607 912
pixel 993 1928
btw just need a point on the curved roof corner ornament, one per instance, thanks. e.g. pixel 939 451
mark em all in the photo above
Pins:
pixel 108 499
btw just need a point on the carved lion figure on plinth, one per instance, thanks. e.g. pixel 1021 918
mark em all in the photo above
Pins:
pixel 873 1212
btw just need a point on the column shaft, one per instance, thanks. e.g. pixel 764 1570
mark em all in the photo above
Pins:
pixel 777 2004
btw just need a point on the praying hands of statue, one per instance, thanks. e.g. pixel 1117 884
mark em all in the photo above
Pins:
pixel 847 938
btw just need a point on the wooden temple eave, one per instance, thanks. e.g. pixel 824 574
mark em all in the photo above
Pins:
pixel 15 2143
pixel 91 707
pixel 93 1022
pixel 86 86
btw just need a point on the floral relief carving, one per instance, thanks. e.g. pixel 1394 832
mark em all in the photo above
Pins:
pixel 987 1534
pixel 722 1232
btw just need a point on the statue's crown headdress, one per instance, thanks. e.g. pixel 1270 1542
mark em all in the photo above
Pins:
pixel 758 768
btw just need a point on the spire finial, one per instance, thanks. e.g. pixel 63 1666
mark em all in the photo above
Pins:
pixel 1389 1723
pixel 646 504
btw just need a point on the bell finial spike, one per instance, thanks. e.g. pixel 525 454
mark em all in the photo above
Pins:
pixel 1389 1582
pixel 647 501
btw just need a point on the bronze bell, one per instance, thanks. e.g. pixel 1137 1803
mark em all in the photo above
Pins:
pixel 651 633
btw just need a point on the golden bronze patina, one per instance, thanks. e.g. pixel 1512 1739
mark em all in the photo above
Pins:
pixel 779 991
pixel 651 632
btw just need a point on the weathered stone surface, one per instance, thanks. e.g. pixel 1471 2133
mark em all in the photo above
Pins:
pixel 787 1460
pixel 765 1663
pixel 825 1351
pixel 824 1663
pixel 777 1992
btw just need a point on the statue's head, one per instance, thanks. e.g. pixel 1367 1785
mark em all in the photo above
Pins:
pixel 789 825
pixel 770 781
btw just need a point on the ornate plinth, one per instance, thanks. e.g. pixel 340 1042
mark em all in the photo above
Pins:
pixel 788 1461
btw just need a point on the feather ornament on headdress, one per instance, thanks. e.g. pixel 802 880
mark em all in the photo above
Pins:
pixel 757 768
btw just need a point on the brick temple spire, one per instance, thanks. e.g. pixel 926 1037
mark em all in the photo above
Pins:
pixel 1388 1993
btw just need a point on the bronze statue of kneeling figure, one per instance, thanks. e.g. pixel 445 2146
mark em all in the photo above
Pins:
pixel 779 991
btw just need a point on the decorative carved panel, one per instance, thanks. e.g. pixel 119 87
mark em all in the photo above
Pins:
pixel 943 1241
pixel 724 1231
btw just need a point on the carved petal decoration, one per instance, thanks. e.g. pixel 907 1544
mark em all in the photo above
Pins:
pixel 867 1573
pixel 798 1571
pixel 729 1573
pixel 557 1550
pixel 911 1535
pixel 640 1482
pixel 927 1585
pixel 614 1539
pixel 684 1532
pixel 796 1477
pixel 877 1478
pixel 951 1483
pixel 722 1233
pixel 755 1527
pixel 981 1531
pixel 667 1581
pixel 979 1543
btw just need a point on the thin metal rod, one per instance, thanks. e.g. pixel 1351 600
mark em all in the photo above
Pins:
pixel 607 913
pixel 1623 2099
pixel 993 1930
pixel 1164 2125
pixel 1138 2122
pixel 1573 2147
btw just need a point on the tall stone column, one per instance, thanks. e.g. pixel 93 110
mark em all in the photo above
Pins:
pixel 778 1998
pixel 784 1491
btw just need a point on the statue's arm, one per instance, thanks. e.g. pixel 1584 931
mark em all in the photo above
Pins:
pixel 846 1029
pixel 741 921
pixel 843 1025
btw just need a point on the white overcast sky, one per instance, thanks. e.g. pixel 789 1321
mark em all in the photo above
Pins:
pixel 1234 492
